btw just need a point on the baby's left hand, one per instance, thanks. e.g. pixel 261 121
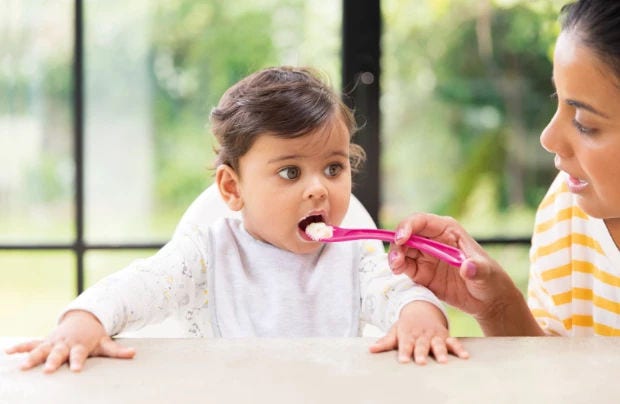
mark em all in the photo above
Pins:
pixel 421 329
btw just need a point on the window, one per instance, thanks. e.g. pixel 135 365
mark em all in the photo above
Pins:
pixel 104 143
pixel 103 136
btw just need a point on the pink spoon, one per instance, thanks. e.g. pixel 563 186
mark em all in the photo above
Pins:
pixel 451 255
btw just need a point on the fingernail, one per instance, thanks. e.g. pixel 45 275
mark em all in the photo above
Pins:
pixel 392 256
pixel 400 234
pixel 471 269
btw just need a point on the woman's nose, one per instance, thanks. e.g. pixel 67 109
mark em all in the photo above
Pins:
pixel 554 137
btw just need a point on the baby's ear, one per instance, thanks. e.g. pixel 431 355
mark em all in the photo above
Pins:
pixel 227 182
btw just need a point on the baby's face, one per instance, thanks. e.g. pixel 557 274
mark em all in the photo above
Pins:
pixel 284 181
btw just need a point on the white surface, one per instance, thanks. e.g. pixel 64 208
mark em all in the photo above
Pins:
pixel 500 370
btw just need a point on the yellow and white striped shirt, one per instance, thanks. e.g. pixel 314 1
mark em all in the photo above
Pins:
pixel 574 285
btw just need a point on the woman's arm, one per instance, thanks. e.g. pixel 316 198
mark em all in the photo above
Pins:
pixel 479 287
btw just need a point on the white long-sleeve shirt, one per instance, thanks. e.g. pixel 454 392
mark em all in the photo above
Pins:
pixel 222 282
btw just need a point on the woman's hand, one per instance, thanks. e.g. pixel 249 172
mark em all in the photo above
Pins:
pixel 78 336
pixel 479 287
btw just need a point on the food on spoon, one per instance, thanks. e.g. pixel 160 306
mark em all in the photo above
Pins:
pixel 319 230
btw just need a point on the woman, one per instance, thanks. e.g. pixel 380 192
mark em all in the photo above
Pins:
pixel 575 271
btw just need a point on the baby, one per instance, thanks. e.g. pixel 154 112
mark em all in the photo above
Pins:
pixel 285 160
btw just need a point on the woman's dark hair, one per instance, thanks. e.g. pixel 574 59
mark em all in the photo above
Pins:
pixel 286 102
pixel 597 25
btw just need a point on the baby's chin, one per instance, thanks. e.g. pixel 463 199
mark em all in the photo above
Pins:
pixel 295 243
pixel 304 247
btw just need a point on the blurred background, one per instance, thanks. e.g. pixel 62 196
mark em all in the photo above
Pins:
pixel 464 93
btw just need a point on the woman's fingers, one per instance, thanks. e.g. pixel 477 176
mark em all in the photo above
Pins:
pixel 424 224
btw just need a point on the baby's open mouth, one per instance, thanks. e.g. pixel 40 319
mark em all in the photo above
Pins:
pixel 314 228
pixel 304 223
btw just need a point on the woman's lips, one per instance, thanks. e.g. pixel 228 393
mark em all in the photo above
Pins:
pixel 576 185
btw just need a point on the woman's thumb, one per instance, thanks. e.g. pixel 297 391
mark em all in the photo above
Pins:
pixel 473 270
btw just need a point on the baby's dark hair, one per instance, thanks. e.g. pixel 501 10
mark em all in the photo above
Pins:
pixel 597 25
pixel 286 102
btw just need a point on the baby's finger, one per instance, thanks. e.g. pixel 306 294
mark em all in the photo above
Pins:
pixel 421 350
pixel 77 357
pixel 455 346
pixel 406 344
pixel 57 356
pixel 37 356
pixel 23 347
pixel 386 343
pixel 112 349
pixel 440 351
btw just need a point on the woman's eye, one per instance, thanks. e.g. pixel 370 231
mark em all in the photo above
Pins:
pixel 289 173
pixel 582 129
pixel 333 170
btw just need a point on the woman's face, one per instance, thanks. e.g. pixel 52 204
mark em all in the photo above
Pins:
pixel 584 133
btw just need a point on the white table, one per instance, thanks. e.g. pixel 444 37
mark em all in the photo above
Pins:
pixel 500 370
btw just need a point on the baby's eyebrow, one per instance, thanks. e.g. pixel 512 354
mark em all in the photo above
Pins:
pixel 283 158
pixel 298 156
pixel 338 154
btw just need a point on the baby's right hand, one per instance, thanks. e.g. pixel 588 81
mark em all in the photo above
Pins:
pixel 78 336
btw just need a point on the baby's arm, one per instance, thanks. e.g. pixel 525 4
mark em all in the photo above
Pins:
pixel 421 329
pixel 78 336
pixel 145 292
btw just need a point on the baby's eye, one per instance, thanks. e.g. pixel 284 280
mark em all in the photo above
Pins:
pixel 289 173
pixel 333 170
